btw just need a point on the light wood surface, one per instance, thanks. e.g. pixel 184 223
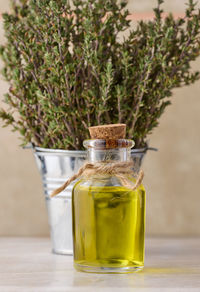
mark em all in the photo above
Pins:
pixel 26 264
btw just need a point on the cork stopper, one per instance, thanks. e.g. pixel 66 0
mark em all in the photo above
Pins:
pixel 108 132
pixel 108 137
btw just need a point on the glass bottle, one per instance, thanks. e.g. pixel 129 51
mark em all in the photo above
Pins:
pixel 108 218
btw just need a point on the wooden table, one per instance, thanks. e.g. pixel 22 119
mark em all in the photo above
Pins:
pixel 27 264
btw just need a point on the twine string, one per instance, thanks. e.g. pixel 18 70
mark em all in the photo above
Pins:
pixel 118 169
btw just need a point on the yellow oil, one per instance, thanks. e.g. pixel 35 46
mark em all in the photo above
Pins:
pixel 108 228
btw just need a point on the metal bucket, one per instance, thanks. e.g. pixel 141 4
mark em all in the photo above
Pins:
pixel 56 166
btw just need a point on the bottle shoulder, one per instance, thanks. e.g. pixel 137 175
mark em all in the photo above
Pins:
pixel 105 184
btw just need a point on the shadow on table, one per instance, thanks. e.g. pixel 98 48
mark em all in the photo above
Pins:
pixel 165 270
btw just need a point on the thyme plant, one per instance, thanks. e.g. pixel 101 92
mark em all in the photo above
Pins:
pixel 68 69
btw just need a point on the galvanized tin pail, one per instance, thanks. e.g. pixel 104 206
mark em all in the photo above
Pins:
pixel 56 166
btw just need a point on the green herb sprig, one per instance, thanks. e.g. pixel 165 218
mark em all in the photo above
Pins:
pixel 68 69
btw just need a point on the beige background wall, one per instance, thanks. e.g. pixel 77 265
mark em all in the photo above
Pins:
pixel 172 174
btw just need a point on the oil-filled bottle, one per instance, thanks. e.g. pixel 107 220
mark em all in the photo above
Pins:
pixel 108 216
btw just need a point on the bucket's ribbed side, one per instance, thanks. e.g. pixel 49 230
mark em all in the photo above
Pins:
pixel 55 167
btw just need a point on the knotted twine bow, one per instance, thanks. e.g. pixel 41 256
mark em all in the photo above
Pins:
pixel 118 169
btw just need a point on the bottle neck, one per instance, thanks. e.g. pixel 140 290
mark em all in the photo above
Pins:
pixel 115 155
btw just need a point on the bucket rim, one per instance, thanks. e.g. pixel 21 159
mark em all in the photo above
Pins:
pixel 43 151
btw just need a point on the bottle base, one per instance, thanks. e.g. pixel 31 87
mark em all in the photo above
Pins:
pixel 107 270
